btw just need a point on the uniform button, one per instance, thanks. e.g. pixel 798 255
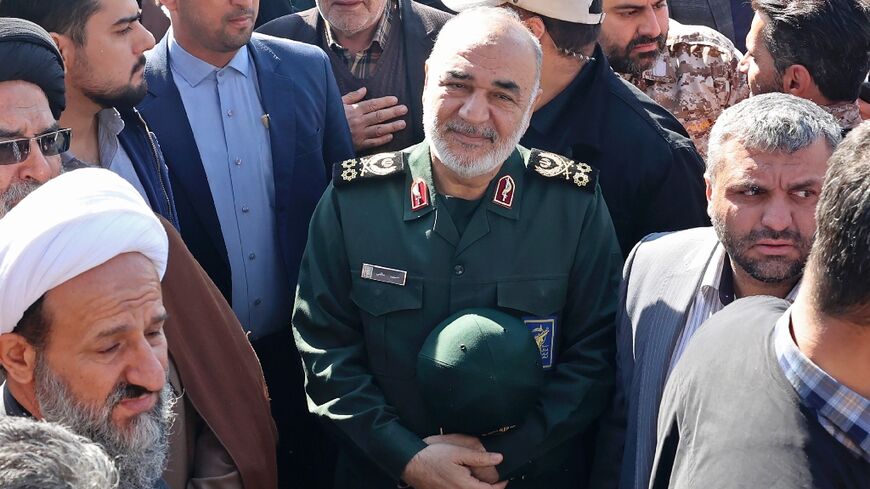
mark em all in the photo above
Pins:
pixel 220 73
pixel 230 113
pixel 238 161
pixel 458 269
pixel 245 209
pixel 257 302
pixel 252 256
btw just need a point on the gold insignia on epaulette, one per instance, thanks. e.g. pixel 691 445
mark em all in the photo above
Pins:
pixel 379 165
pixel 551 165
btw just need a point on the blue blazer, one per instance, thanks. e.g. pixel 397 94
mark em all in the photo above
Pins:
pixel 308 132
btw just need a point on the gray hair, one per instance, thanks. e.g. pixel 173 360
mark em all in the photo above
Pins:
pixel 772 122
pixel 41 455
pixel 483 24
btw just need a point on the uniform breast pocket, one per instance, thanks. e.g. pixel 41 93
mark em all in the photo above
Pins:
pixel 539 303
pixel 392 321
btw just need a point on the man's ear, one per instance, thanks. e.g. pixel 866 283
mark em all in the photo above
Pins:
pixel 709 191
pixel 797 81
pixel 18 357
pixel 66 46
pixel 171 5
pixel 536 26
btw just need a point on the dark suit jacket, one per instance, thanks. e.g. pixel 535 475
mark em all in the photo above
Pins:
pixel 308 131
pixel 420 23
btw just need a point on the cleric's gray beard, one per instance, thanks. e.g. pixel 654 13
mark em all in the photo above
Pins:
pixel 139 451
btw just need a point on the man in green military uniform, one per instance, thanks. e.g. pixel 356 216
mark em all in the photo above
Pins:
pixel 467 218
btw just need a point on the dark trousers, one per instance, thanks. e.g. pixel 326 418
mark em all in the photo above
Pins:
pixel 306 455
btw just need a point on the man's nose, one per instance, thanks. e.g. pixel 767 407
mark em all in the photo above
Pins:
pixel 475 108
pixel 649 26
pixel 38 167
pixel 146 367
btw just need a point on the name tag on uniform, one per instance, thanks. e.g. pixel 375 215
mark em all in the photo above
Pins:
pixel 543 330
pixel 384 274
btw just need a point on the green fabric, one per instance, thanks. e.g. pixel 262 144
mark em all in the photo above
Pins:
pixel 479 372
pixel 552 253
pixel 460 210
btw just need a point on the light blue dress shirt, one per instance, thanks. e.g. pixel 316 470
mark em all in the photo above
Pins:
pixel 226 116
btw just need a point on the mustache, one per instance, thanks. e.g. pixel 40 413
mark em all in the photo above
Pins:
pixel 760 234
pixel 242 12
pixel 139 64
pixel 660 41
pixel 124 391
pixel 467 129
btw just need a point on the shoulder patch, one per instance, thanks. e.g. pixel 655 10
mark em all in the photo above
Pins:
pixel 375 166
pixel 551 165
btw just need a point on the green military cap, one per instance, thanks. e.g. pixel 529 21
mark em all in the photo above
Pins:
pixel 479 372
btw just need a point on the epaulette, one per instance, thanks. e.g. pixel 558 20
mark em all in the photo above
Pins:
pixel 551 165
pixel 375 166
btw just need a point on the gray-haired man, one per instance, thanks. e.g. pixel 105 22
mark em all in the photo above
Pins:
pixel 766 164
pixel 41 455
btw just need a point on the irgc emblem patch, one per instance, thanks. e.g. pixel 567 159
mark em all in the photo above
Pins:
pixel 543 330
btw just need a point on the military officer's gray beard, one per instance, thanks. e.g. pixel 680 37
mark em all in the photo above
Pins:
pixel 139 452
pixel 463 166
pixel 16 192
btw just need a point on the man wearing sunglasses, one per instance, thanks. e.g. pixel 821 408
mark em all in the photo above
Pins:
pixel 102 43
pixel 31 100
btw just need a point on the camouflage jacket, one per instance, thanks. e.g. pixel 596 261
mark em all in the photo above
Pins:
pixel 848 114
pixel 695 78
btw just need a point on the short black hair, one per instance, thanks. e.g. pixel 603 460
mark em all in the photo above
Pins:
pixel 569 37
pixel 34 324
pixel 839 259
pixel 831 38
pixel 67 17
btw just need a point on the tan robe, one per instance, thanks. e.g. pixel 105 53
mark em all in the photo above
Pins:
pixel 224 436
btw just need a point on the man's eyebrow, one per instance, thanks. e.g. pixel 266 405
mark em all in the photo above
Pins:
pixel 805 184
pixel 508 85
pixel 122 328
pixel 129 19
pixel 7 133
pixel 459 75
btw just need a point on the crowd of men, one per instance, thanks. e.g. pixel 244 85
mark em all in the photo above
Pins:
pixel 450 244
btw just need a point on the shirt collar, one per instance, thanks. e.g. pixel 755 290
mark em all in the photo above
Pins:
pixel 13 408
pixel 110 121
pixel 381 32
pixel 843 408
pixel 194 70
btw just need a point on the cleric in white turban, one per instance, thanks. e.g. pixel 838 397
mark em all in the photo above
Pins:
pixel 68 226
pixel 82 315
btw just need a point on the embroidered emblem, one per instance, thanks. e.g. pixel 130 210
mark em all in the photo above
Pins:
pixel 551 165
pixel 375 166
pixel 543 330
pixel 384 274
pixel 504 192
pixel 419 194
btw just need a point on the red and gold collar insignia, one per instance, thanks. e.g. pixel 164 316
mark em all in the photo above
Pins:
pixel 419 194
pixel 504 192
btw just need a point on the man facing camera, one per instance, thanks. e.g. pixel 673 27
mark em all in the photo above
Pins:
pixel 777 395
pixel 81 318
pixel 466 219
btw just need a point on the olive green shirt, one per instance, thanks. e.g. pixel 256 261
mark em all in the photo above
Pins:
pixel 551 252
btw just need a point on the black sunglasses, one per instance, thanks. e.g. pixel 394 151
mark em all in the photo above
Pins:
pixel 51 144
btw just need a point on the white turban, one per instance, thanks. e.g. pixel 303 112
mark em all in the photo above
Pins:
pixel 68 226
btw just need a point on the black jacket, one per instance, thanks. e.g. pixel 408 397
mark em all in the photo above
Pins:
pixel 147 158
pixel 651 175
pixel 420 26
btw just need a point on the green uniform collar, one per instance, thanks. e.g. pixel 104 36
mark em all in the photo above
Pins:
pixel 508 184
